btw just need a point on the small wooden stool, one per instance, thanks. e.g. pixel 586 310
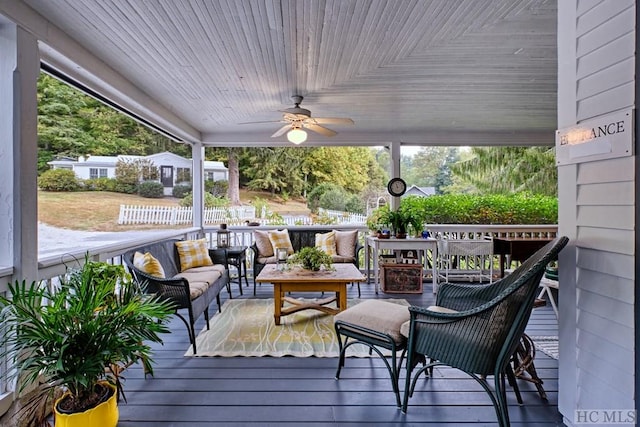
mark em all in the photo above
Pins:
pixel 376 324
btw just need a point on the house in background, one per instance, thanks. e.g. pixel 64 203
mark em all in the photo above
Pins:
pixel 172 169
pixel 414 190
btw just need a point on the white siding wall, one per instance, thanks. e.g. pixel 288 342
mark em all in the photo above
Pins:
pixel 595 78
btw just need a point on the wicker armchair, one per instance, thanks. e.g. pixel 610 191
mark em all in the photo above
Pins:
pixel 483 332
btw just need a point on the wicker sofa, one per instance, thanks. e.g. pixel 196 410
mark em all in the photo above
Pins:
pixel 192 290
pixel 347 246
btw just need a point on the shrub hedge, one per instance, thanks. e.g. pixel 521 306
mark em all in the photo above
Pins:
pixel 521 208
pixel 151 189
pixel 58 180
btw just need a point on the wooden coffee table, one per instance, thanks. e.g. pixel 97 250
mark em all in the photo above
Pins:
pixel 301 280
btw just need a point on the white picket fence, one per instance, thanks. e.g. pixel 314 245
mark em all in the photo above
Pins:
pixel 344 217
pixel 177 215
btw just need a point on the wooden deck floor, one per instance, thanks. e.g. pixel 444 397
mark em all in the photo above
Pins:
pixel 288 391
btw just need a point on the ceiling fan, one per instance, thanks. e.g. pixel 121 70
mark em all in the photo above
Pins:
pixel 298 119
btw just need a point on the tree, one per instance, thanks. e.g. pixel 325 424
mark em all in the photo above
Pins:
pixel 426 165
pixel 443 176
pixel 234 176
pixel 511 170
pixel 73 124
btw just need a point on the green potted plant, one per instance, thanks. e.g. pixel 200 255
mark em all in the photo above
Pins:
pixel 79 337
pixel 375 221
pixel 400 220
pixel 312 258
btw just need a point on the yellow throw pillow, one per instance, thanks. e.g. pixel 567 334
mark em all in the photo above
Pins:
pixel 327 242
pixel 280 239
pixel 147 263
pixel 193 253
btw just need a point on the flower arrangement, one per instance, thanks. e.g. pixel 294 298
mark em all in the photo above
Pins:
pixel 311 258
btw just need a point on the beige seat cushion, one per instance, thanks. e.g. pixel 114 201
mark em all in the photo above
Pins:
pixel 382 316
pixel 346 242
pixel 337 259
pixel 197 288
pixel 404 329
pixel 267 259
pixel 198 275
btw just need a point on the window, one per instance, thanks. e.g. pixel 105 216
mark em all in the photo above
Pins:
pixel 183 175
pixel 95 173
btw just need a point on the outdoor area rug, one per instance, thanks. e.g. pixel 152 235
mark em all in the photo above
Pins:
pixel 547 345
pixel 246 328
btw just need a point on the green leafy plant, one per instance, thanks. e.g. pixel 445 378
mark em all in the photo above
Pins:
pixel 151 189
pixel 311 258
pixel 181 190
pixel 407 215
pixel 375 220
pixel 260 205
pixel 520 208
pixel 100 184
pixel 87 330
pixel 210 201
pixel 58 180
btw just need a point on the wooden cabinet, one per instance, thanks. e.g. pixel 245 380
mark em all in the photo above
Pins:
pixel 401 278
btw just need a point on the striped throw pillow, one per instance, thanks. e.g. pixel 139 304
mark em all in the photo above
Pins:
pixel 147 263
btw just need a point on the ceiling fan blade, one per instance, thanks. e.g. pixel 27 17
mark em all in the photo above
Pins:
pixel 332 120
pixel 265 121
pixel 319 129
pixel 281 131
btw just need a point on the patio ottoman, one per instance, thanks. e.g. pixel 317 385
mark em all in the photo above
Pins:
pixel 376 324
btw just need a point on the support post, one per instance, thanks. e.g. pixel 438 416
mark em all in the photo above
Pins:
pixel 197 156
pixel 394 149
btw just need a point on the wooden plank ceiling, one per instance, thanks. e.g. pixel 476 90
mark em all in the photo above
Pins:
pixel 423 72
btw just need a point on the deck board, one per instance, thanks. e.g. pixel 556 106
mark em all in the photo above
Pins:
pixel 289 391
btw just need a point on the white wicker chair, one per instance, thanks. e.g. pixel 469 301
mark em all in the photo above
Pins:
pixel 465 259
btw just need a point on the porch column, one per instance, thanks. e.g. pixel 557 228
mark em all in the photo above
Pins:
pixel 19 70
pixel 394 165
pixel 197 156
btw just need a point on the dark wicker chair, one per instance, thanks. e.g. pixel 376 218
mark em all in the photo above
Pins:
pixel 481 337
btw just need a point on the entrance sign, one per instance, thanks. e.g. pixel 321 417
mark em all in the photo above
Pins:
pixel 604 137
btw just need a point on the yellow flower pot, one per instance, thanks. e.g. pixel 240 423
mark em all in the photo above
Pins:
pixel 104 415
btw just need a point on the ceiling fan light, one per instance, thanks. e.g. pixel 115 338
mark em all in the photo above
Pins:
pixel 297 136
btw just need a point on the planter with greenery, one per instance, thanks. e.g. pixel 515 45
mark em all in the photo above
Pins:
pixel 79 337
pixel 311 258
pixel 402 219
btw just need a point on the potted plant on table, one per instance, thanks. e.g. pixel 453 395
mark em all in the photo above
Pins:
pixel 79 337
pixel 400 220
pixel 312 258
